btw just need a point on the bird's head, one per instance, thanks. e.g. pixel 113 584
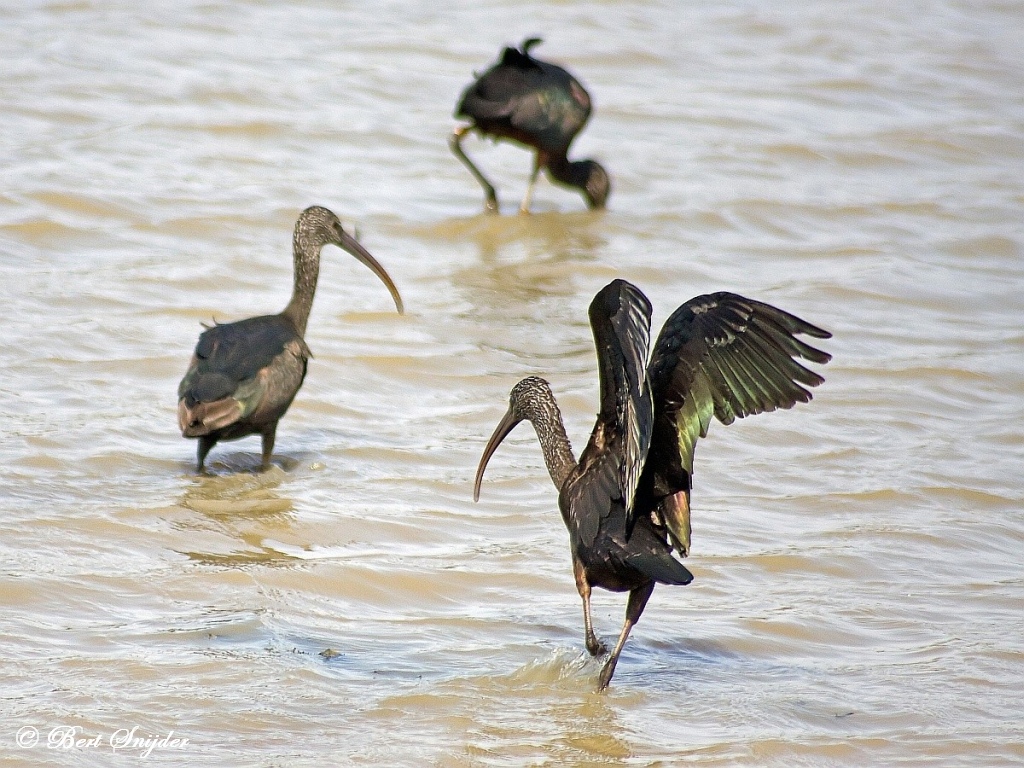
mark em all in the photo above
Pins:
pixel 530 400
pixel 597 184
pixel 318 226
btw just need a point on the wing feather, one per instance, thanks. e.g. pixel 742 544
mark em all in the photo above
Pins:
pixel 620 316
pixel 785 369
pixel 229 355
pixel 528 100
pixel 758 378
pixel 724 355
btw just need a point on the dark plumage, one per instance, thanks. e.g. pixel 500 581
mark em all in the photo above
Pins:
pixel 626 502
pixel 539 105
pixel 244 375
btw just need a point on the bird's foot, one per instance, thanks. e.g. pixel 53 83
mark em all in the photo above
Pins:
pixel 491 204
pixel 595 647
pixel 606 674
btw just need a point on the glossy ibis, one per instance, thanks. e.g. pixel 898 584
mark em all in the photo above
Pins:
pixel 536 104
pixel 626 502
pixel 244 375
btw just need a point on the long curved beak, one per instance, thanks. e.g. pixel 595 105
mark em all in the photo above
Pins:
pixel 352 245
pixel 506 425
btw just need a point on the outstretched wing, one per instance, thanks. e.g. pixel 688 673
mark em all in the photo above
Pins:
pixel 719 355
pixel 620 316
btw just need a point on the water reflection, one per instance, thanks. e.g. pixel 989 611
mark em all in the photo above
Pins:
pixel 545 710
pixel 225 464
pixel 522 257
pixel 242 507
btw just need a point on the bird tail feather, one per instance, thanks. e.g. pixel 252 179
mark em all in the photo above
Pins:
pixel 204 418
pixel 664 569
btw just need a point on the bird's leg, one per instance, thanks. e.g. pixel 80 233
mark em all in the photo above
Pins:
pixel 637 602
pixel 268 435
pixel 537 165
pixel 594 646
pixel 455 142
pixel 206 444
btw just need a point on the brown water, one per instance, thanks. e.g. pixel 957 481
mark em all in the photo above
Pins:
pixel 859 592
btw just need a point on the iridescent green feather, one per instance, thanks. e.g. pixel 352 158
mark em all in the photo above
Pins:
pixel 693 419
pixel 250 393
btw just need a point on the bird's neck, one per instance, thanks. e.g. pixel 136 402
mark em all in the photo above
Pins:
pixel 554 443
pixel 307 270
pixel 573 174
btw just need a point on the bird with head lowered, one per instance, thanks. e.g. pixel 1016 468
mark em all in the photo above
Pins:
pixel 536 104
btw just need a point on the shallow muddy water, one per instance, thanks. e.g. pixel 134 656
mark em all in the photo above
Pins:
pixel 859 577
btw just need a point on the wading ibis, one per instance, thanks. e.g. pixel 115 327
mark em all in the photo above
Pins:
pixel 536 104
pixel 244 375
pixel 626 503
